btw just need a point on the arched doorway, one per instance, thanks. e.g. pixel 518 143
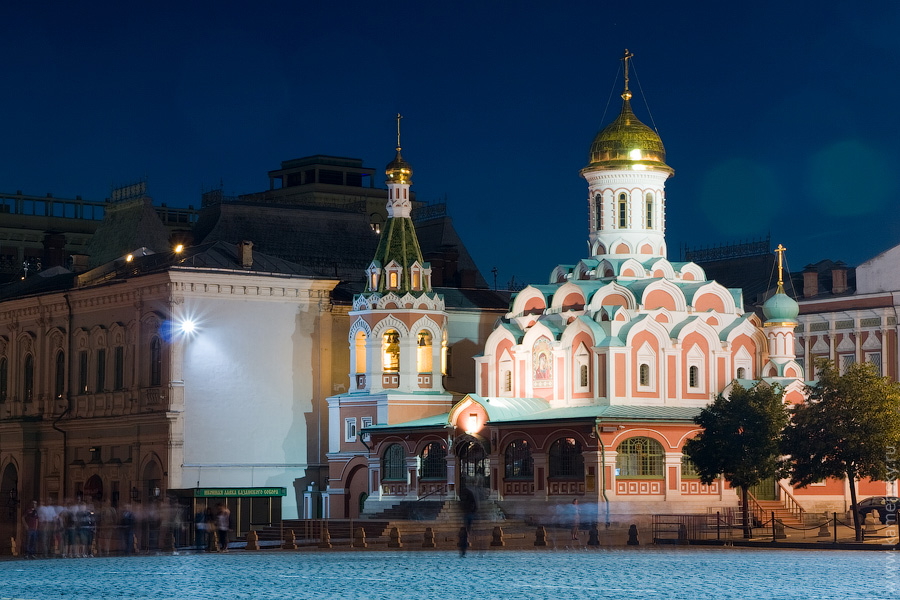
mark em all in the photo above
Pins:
pixel 474 466
pixel 9 506
pixel 93 489
pixel 355 492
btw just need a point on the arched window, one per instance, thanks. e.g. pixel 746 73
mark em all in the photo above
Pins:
pixel 623 210
pixel 28 378
pixel 649 199
pixel 423 352
pixel 4 378
pixel 583 376
pixel 393 464
pixel 155 362
pixel 644 374
pixel 640 457
pixel 360 345
pixel 741 373
pixel 598 210
pixel 688 469
pixel 566 460
pixel 101 370
pixel 433 461
pixel 59 380
pixel 518 460
pixel 694 377
pixel 390 351
pixel 507 381
pixel 393 280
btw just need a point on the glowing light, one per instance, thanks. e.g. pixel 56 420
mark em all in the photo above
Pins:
pixel 179 248
pixel 129 258
pixel 188 326
pixel 635 154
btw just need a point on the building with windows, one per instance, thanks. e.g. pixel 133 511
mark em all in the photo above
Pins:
pixel 587 387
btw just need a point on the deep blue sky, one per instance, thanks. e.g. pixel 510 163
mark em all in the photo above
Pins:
pixel 778 117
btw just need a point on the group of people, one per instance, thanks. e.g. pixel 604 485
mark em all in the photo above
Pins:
pixel 77 529
pixel 212 527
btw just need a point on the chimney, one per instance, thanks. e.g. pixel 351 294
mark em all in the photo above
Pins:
pixel 54 250
pixel 245 254
pixel 810 281
pixel 79 263
pixel 839 278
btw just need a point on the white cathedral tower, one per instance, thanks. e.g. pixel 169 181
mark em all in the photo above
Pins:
pixel 626 180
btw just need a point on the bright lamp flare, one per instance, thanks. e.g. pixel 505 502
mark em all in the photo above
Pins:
pixel 187 326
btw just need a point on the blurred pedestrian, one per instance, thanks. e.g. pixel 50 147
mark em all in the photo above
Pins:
pixel 575 519
pixel 31 522
pixel 223 524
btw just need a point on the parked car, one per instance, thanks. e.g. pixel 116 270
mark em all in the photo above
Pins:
pixel 883 505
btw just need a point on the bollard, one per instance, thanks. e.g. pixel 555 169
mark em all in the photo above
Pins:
pixel 428 539
pixel 633 536
pixel 594 536
pixel 359 538
pixel 252 541
pixel 168 543
pixel 777 529
pixel 395 542
pixel 823 528
pixel 540 536
pixel 326 537
pixel 497 537
pixel 289 543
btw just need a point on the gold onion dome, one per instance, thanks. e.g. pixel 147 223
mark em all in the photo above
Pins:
pixel 398 170
pixel 626 143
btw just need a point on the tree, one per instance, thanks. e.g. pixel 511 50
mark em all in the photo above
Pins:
pixel 740 439
pixel 848 427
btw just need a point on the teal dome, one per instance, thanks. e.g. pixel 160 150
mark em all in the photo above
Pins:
pixel 781 307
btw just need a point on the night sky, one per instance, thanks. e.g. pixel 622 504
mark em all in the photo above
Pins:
pixel 779 117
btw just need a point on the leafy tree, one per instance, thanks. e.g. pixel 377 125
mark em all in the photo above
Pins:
pixel 849 427
pixel 740 439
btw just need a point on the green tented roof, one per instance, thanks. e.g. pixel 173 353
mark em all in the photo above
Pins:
pixel 398 243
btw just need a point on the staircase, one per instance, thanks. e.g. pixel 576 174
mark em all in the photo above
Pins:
pixel 787 517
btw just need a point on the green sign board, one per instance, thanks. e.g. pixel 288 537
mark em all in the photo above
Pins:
pixel 239 492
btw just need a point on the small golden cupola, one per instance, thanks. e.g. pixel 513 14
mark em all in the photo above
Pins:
pixel 626 143
pixel 398 170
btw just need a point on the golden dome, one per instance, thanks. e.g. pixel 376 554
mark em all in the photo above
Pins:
pixel 398 170
pixel 626 143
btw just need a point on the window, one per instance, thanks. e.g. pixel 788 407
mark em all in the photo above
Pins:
pixel 360 346
pixel 415 279
pixel 875 359
pixel 640 457
pixel 507 381
pixel 598 210
pixel 393 464
pixel 59 382
pixel 623 208
pixel 434 461
pixel 393 280
pixel 390 349
pixel 155 362
pixel 119 368
pixel 649 210
pixel 350 429
pixel 4 378
pixel 28 378
pixel 582 360
pixel 693 377
pixel 518 460
pixel 566 460
pixel 101 370
pixel 423 352
pixel 363 423
pixel 688 468
pixel 583 375
pixel 847 361
pixel 741 373
pixel 644 374
pixel 374 284
pixel 83 372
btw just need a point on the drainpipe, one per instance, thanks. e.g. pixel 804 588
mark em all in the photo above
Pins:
pixel 602 467
pixel 68 397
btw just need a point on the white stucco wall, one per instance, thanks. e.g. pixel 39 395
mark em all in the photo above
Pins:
pixel 248 374
pixel 879 274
